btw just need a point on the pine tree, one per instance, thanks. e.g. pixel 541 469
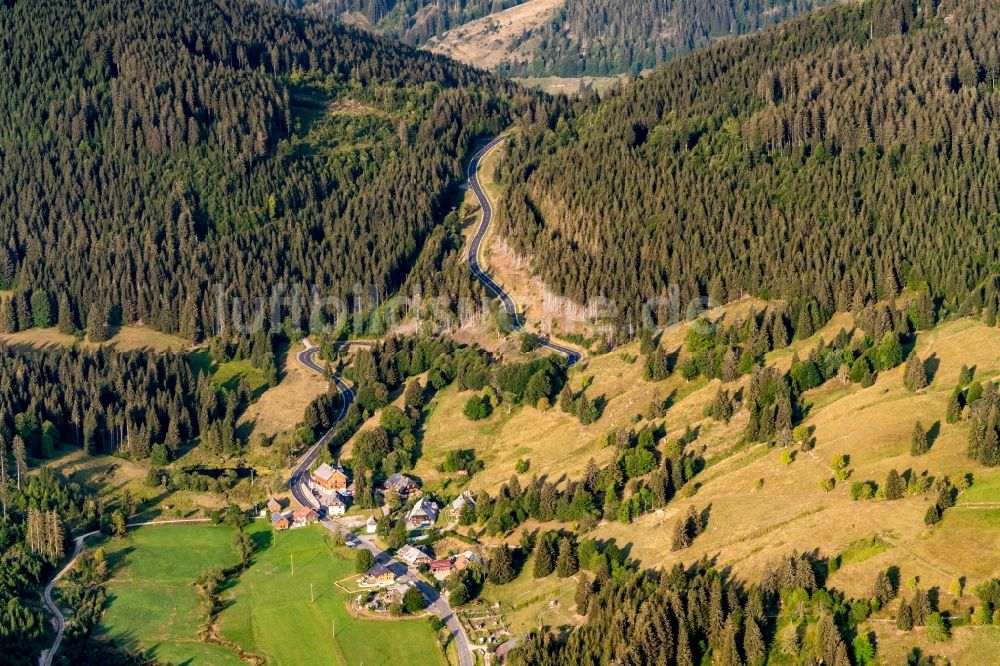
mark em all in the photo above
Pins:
pixel 679 539
pixel 919 444
pixel 67 323
pixel 894 485
pixel 566 562
pixel 566 399
pixel 8 318
pixel 584 588
pixel 904 616
pixel 20 459
pixel 753 644
pixel 953 411
pixel 4 491
pixel 933 515
pixel 41 309
pixel 882 590
pixel 501 566
pixel 914 376
pixel 98 329
pixel 545 557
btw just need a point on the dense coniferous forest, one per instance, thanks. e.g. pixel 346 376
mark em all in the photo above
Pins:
pixel 840 157
pixel 689 616
pixel 150 151
pixel 598 38
pixel 109 402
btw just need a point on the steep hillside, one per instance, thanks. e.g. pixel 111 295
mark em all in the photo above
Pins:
pixel 597 38
pixel 540 38
pixel 837 158
pixel 158 159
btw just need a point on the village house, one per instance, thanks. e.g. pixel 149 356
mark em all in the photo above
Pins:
pixel 378 576
pixel 371 525
pixel 412 556
pixel 423 514
pixel 335 507
pixel 281 521
pixel 273 505
pixel 328 477
pixel 461 501
pixel 304 516
pixel 464 559
pixel 403 485
pixel 441 569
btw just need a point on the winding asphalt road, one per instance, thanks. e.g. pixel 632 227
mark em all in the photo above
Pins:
pixel 572 356
pixel 437 604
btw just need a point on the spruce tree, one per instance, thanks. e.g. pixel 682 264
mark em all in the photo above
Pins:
pixel 41 309
pixel 914 376
pixel 679 539
pixel 919 444
pixel 545 557
pixel 67 324
pixel 566 562
pixel 584 588
pixel 501 566
pixel 894 485
pixel 98 329
pixel 8 318
pixel 953 412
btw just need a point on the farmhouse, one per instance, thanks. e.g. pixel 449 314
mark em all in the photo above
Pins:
pixel 423 514
pixel 281 521
pixel 460 502
pixel 304 516
pixel 403 485
pixel 331 478
pixel 377 576
pixel 412 556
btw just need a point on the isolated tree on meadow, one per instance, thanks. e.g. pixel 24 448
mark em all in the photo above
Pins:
pixel 919 443
pixel 894 485
pixel 914 376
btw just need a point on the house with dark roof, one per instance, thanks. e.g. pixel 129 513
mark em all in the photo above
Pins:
pixel 423 514
pixel 378 576
pixel 402 484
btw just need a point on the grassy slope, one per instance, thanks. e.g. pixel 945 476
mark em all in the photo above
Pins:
pixel 749 528
pixel 269 610
pixel 152 602
pixel 126 338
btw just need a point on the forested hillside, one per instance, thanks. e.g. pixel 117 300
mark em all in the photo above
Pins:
pixel 598 38
pixel 838 158
pixel 150 151
pixel 412 21
pixel 582 37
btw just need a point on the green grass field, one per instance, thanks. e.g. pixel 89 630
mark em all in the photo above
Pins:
pixel 270 614
pixel 153 604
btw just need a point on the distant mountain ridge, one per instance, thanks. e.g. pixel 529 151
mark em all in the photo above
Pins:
pixel 561 37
